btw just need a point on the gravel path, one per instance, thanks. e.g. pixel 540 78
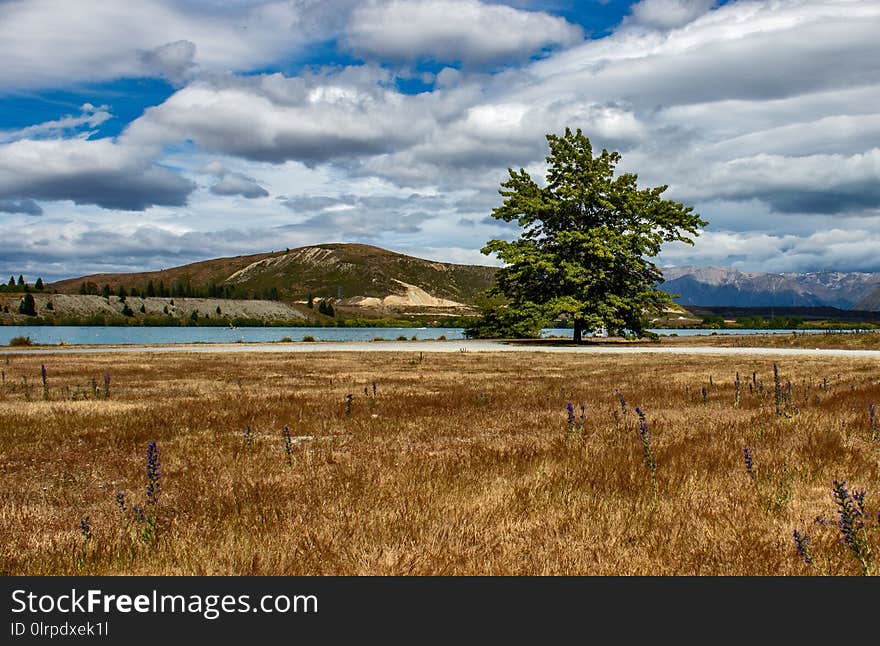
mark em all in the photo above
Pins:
pixel 438 346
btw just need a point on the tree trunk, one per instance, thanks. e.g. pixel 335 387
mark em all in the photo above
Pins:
pixel 578 330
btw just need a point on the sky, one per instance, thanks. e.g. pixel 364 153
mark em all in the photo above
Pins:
pixel 151 133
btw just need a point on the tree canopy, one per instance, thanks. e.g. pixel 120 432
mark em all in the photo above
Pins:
pixel 586 242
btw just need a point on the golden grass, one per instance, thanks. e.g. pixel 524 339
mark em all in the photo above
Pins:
pixel 462 463
pixel 807 340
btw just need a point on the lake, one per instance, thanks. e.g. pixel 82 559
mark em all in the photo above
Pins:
pixel 117 335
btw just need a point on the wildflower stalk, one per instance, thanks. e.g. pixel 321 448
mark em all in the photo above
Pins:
pixel 802 545
pixel 777 390
pixel 850 513
pixel 288 444
pixel 748 460
pixel 45 382
pixel 150 512
pixel 650 461
pixel 85 528
pixel 872 415
pixel 737 396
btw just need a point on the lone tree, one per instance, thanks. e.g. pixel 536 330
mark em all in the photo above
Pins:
pixel 27 306
pixel 586 242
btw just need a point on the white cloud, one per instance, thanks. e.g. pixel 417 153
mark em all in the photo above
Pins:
pixel 467 31
pixel 47 43
pixel 276 118
pixel 90 117
pixel 764 114
pixel 668 14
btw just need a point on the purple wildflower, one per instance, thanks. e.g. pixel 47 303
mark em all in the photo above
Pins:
pixel 747 458
pixel 85 527
pixel 153 473
pixel 802 545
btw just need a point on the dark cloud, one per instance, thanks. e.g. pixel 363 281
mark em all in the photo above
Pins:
pixel 25 206
pixel 112 190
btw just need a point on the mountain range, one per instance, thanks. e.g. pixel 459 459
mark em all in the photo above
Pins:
pixel 718 286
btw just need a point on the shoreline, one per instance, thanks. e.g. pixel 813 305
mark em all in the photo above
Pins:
pixel 449 346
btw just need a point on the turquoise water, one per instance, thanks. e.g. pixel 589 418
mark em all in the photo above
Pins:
pixel 87 335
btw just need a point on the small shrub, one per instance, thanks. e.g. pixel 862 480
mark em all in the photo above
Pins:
pixel 20 341
pixel 308 338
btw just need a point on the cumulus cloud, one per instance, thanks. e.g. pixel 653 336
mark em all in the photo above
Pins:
pixel 466 31
pixel 173 61
pixel 824 184
pixel 47 43
pixel 232 183
pixel 99 172
pixel 238 184
pixel 842 250
pixel 762 114
pixel 310 118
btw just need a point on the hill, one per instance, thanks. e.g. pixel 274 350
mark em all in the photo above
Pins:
pixel 361 279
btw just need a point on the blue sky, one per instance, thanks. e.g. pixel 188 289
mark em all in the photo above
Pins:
pixel 159 132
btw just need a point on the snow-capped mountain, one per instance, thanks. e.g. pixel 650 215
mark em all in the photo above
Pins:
pixel 718 286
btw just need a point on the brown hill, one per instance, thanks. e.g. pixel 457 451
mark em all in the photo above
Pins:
pixel 356 276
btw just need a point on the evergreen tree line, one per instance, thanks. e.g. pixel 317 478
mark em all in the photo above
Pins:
pixel 181 289
pixel 20 285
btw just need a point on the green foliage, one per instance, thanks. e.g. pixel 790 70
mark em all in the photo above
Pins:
pixel 586 240
pixel 39 284
pixel 326 307
pixel 775 323
pixel 27 306
pixel 498 320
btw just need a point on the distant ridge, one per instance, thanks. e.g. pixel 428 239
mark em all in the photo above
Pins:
pixel 871 301
pixel 717 286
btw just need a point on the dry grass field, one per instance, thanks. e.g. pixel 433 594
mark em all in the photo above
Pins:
pixel 825 340
pixel 460 463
